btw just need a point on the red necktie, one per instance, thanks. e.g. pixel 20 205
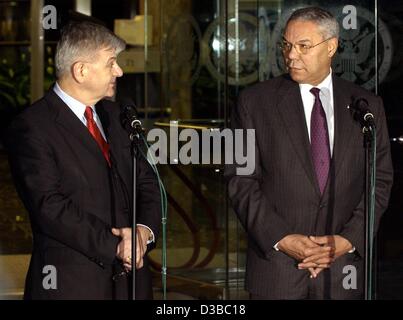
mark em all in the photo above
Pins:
pixel 94 130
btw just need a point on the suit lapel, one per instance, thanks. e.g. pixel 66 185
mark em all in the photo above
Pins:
pixel 118 145
pixel 292 113
pixel 66 119
pixel 343 122
pixel 108 128
pixel 105 121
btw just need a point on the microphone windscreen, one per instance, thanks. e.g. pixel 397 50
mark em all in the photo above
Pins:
pixel 360 104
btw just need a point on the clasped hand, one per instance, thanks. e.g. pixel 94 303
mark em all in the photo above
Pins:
pixel 314 253
pixel 124 248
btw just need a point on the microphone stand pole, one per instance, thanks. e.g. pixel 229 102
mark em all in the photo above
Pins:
pixel 369 132
pixel 134 137
pixel 133 125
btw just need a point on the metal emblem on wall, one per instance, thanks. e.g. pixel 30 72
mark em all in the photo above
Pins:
pixel 264 43
pixel 243 64
pixel 355 59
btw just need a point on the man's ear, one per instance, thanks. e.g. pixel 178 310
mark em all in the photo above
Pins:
pixel 79 71
pixel 332 47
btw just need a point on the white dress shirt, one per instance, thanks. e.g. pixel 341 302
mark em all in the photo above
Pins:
pixel 326 97
pixel 78 109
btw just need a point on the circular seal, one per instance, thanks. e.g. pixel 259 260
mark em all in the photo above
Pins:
pixel 355 59
pixel 242 46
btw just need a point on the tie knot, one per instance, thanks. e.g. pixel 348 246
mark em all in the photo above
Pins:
pixel 315 92
pixel 88 113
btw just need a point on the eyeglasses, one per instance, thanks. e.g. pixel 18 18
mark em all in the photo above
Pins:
pixel 301 48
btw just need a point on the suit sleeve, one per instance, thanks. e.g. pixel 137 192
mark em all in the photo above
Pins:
pixel 53 213
pixel 264 226
pixel 355 227
pixel 149 205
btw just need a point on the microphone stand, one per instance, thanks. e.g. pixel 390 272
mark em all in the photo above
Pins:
pixel 369 132
pixel 133 126
pixel 134 137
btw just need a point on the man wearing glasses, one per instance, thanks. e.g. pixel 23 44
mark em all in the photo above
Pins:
pixel 303 208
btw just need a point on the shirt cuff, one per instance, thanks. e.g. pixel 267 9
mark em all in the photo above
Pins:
pixel 152 237
pixel 352 250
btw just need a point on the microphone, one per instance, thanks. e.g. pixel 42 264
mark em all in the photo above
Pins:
pixel 129 117
pixel 361 112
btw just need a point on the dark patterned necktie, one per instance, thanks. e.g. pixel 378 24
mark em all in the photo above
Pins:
pixel 320 146
pixel 96 133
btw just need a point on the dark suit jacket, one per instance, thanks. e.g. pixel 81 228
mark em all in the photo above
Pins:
pixel 74 199
pixel 282 196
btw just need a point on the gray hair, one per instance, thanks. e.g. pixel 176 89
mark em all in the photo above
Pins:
pixel 82 40
pixel 327 23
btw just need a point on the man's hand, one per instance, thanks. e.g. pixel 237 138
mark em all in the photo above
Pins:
pixel 124 249
pixel 301 247
pixel 143 234
pixel 315 263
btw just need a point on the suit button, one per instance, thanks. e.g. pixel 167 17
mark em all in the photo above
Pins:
pixel 322 206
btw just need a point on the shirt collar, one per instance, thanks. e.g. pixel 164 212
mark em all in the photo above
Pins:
pixel 76 106
pixel 325 86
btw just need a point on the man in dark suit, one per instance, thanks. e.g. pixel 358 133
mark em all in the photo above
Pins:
pixel 303 207
pixel 70 159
